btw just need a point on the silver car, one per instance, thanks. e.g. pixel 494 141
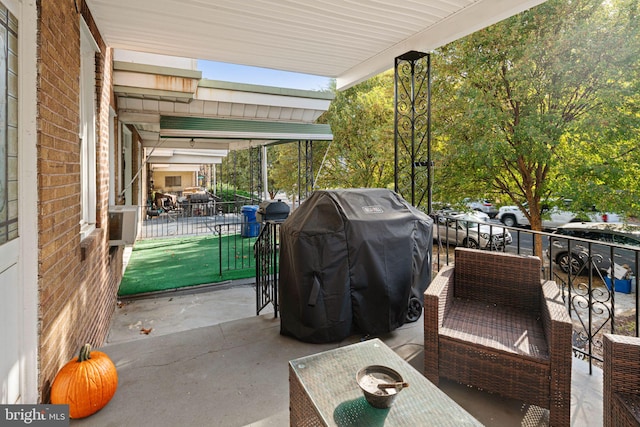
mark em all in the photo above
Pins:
pixel 468 231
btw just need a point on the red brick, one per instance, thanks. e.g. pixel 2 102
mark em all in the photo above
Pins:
pixel 77 296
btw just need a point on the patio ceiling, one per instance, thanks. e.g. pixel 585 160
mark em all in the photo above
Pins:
pixel 173 108
pixel 349 40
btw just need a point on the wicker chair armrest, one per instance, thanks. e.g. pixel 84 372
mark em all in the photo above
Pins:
pixel 440 292
pixel 437 299
pixel 620 374
pixel 558 331
pixel 556 321
pixel 622 357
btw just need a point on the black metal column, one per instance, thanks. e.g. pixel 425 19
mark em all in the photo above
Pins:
pixel 255 173
pixel 412 128
pixel 299 163
pixel 308 161
pixel 235 181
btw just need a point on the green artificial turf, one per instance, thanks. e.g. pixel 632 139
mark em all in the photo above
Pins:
pixel 157 265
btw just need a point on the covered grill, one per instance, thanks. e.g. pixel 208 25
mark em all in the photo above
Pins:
pixel 272 210
pixel 352 261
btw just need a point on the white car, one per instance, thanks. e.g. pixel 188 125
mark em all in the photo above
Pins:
pixel 482 205
pixel 469 231
pixel 472 215
pixel 512 216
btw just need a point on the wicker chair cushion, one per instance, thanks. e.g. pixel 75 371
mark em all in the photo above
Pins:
pixel 631 403
pixel 500 328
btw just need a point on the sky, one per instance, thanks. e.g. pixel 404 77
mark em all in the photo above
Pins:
pixel 261 76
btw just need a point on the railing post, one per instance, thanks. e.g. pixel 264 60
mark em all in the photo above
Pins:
pixel 412 126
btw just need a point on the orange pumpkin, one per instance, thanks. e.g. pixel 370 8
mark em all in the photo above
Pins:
pixel 86 384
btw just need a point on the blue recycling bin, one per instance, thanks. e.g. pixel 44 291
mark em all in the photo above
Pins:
pixel 250 225
pixel 622 285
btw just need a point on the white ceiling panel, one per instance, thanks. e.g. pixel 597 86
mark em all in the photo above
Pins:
pixel 349 40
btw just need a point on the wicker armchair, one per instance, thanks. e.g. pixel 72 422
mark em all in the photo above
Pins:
pixel 490 322
pixel 621 381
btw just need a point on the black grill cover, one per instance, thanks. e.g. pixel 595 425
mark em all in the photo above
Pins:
pixel 352 261
pixel 272 210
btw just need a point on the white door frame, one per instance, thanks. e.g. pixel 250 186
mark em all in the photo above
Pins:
pixel 29 199
pixel 20 252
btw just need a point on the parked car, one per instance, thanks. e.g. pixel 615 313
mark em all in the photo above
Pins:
pixel 482 205
pixel 554 216
pixel 578 258
pixel 469 231
pixel 473 215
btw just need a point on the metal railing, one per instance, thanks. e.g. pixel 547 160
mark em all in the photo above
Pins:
pixel 595 306
pixel 235 246
pixel 187 219
pixel 596 303
pixel 235 235
pixel 267 251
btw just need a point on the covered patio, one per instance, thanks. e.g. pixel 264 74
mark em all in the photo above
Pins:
pixel 347 42
pixel 85 115
pixel 233 372
pixel 209 360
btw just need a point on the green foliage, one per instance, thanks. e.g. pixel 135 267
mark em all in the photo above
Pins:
pixel 361 120
pixel 240 170
pixel 544 105
pixel 515 105
pixel 361 153
pixel 230 194
pixel 288 164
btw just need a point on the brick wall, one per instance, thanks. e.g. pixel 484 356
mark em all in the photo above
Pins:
pixel 77 280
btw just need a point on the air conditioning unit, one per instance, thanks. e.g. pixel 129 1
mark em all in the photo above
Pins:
pixel 123 225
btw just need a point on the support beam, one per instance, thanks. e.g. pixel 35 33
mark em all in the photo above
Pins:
pixel 186 144
pixel 131 117
pixel 265 174
pixel 412 128
pixel 184 159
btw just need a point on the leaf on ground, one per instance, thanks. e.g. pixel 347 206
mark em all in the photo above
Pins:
pixel 146 331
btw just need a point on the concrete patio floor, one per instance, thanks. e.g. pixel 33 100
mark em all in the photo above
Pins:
pixel 209 361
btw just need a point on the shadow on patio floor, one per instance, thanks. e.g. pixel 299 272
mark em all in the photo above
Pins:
pixel 209 361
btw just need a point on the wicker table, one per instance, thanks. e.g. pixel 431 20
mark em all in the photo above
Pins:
pixel 323 392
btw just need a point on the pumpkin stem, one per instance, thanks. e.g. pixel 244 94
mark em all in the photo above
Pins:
pixel 85 353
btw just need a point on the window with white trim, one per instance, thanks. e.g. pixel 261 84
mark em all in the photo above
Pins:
pixel 88 49
pixel 8 125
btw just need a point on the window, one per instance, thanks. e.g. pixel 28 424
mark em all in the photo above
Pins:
pixel 172 181
pixel 88 49
pixel 626 240
pixel 8 126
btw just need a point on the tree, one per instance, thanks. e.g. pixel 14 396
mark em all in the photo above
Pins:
pixel 512 104
pixel 239 170
pixel 286 165
pixel 361 120
pixel 608 158
pixel 361 153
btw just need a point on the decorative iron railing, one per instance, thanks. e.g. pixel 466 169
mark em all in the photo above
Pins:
pixel 267 250
pixel 598 299
pixel 187 219
pixel 596 303
pixel 236 235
